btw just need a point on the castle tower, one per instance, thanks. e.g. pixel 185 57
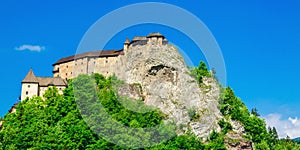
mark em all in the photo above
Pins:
pixel 156 38
pixel 126 45
pixel 30 86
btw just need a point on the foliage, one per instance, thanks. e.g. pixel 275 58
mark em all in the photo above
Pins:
pixel 225 126
pixel 193 114
pixel 55 122
pixel 216 141
pixel 254 112
pixel 186 141
pixel 236 109
pixel 255 127
pixel 199 72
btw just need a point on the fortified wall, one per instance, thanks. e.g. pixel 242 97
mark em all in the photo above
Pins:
pixel 106 62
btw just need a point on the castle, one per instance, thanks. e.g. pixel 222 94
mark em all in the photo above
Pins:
pixel 106 62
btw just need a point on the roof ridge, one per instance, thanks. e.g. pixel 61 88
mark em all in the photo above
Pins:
pixel 96 53
pixel 30 77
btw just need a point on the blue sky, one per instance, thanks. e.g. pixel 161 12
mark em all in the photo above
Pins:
pixel 260 42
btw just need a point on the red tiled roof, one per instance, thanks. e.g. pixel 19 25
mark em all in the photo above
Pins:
pixel 101 53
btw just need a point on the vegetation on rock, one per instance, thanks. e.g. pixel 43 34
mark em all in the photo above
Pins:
pixel 59 121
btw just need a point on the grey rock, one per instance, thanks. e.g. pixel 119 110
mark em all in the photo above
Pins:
pixel 167 85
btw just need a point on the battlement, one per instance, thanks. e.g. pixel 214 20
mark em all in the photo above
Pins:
pixel 152 38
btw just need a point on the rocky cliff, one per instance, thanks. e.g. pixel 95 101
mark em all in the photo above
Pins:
pixel 164 81
pixel 167 84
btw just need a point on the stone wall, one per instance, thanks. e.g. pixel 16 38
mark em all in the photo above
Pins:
pixel 29 90
pixel 102 65
pixel 65 70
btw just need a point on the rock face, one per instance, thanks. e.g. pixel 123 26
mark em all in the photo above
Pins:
pixel 234 140
pixel 166 84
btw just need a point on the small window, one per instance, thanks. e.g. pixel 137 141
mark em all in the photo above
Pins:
pixel 71 72
pixel 60 89
pixel 28 86
pixel 66 74
pixel 67 66
pixel 26 92
pixel 82 63
pixel 94 62
pixel 106 61
pixel 75 64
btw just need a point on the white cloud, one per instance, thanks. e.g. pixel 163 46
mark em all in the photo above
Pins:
pixel 36 48
pixel 284 127
pixel 294 121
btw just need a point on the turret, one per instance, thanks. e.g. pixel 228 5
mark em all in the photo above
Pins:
pixel 30 85
pixel 156 37
pixel 126 45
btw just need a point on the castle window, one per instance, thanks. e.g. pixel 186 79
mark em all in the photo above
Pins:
pixel 82 63
pixel 67 66
pixel 60 89
pixel 28 86
pixel 106 61
pixel 71 72
pixel 106 57
pixel 26 92
pixel 66 74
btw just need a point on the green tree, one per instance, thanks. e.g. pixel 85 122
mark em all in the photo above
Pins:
pixel 200 72
pixel 254 112
pixel 225 126
pixel 55 121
